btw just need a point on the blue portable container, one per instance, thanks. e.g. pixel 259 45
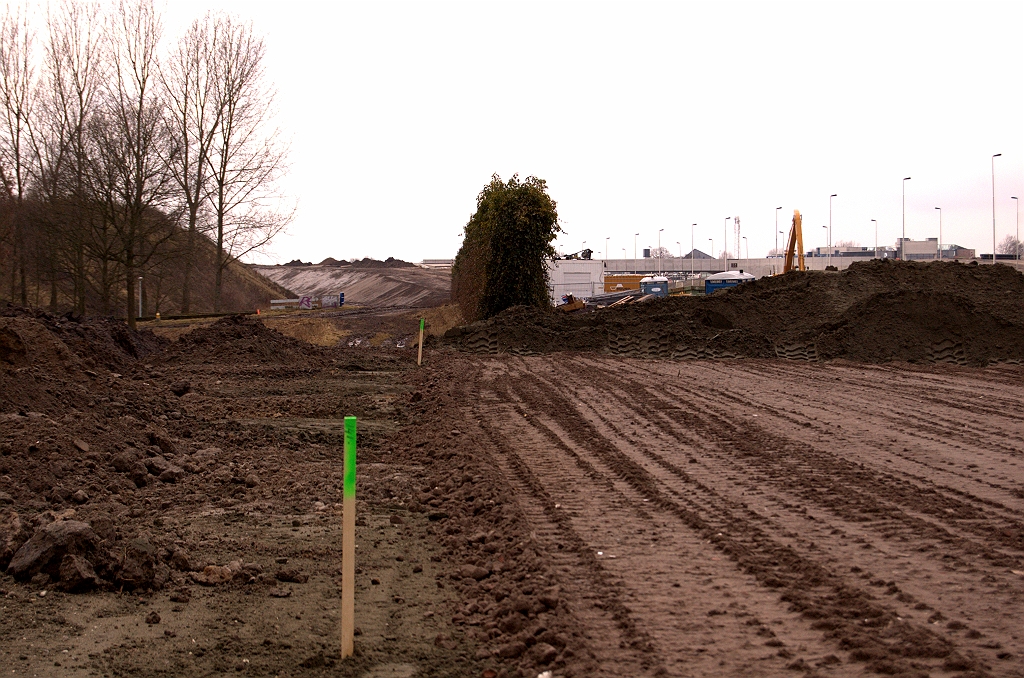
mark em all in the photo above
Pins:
pixel 720 281
pixel 654 284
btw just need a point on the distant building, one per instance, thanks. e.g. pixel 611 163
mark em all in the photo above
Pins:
pixel 927 250
pixel 437 263
pixel 836 251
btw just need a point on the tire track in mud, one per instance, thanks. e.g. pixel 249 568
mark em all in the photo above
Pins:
pixel 844 612
pixel 886 528
pixel 860 489
pixel 613 638
pixel 686 638
pixel 838 545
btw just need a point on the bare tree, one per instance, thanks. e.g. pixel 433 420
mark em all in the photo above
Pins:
pixel 17 97
pixel 1010 245
pixel 189 77
pixel 846 243
pixel 247 158
pixel 133 144
pixel 74 66
pixel 661 253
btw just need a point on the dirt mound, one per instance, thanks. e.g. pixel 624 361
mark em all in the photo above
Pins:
pixel 105 342
pixel 390 262
pixel 240 338
pixel 48 362
pixel 876 311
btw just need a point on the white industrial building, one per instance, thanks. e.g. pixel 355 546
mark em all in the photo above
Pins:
pixel 582 278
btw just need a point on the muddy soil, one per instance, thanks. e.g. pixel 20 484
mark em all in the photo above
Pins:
pixel 582 513
pixel 877 312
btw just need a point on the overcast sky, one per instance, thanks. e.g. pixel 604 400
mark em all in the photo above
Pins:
pixel 642 117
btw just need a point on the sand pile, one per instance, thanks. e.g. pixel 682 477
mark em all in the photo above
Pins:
pixel 876 311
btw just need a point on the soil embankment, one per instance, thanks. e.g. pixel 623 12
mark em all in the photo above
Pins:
pixel 366 283
pixel 875 312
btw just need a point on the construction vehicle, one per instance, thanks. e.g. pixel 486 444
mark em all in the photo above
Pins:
pixel 582 254
pixel 796 244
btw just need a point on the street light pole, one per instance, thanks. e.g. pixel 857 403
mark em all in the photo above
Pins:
pixel 712 246
pixel 777 229
pixel 634 252
pixel 876 237
pixel 829 260
pixel 830 228
pixel 746 244
pixel 606 254
pixel 940 232
pixel 903 241
pixel 691 248
pixel 659 250
pixel 1016 244
pixel 994 207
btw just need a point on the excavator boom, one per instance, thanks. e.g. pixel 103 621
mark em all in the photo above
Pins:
pixel 795 244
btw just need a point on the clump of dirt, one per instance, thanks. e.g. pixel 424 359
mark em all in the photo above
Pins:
pixel 876 311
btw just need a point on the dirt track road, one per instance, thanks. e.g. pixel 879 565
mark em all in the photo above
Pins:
pixel 765 517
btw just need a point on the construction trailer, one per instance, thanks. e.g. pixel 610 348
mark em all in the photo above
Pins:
pixel 582 278
pixel 721 281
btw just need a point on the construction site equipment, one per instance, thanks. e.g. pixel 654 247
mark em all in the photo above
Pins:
pixel 795 244
pixel 720 281
pixel 618 283
pixel 582 254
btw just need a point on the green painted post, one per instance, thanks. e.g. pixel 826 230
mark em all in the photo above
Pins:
pixel 350 458
pixel 348 541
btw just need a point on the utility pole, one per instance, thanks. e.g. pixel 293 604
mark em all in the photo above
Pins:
pixel 903 241
pixel 940 232
pixel 777 231
pixel 876 237
pixel 994 207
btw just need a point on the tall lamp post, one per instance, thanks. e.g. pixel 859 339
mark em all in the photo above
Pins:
pixel 606 254
pixel 1016 245
pixel 777 229
pixel 712 245
pixel 830 228
pixel 876 237
pixel 940 232
pixel 659 250
pixel 746 245
pixel 994 207
pixel 634 252
pixel 691 248
pixel 903 241
pixel 829 260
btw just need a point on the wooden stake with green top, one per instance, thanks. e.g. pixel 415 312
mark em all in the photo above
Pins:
pixel 419 357
pixel 348 540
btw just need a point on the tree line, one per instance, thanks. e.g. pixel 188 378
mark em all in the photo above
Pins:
pixel 120 151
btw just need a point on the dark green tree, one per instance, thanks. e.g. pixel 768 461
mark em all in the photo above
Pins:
pixel 506 243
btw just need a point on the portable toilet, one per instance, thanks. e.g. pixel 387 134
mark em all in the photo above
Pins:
pixel 656 285
pixel 720 281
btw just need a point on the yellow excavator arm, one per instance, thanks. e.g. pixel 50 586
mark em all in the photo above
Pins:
pixel 796 244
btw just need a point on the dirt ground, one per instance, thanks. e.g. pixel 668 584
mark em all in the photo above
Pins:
pixel 583 513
